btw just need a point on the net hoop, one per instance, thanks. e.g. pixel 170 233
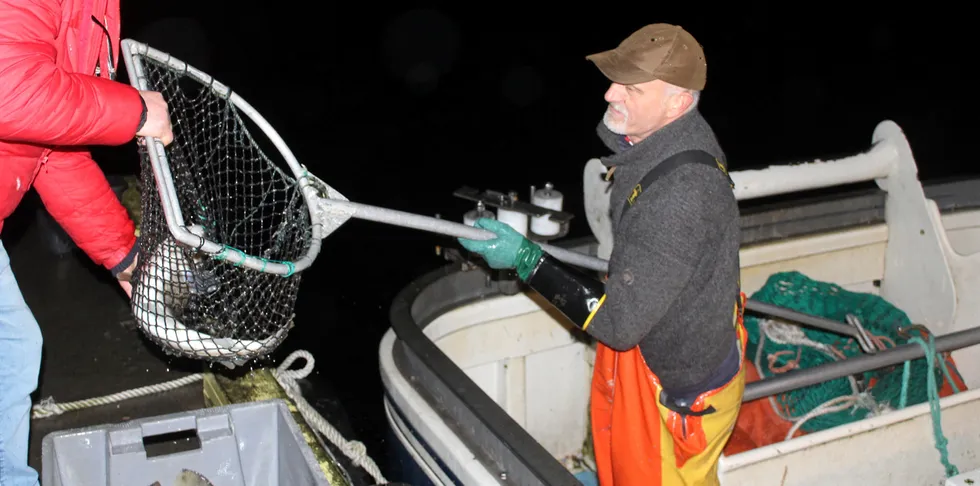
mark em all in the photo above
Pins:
pixel 132 50
pixel 170 259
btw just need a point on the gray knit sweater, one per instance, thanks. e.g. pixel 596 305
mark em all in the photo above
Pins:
pixel 674 269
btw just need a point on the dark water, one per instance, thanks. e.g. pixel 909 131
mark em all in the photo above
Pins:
pixel 398 107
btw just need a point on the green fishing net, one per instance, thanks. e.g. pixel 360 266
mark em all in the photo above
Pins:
pixel 880 318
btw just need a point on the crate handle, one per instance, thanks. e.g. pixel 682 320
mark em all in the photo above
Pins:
pixel 184 432
pixel 169 425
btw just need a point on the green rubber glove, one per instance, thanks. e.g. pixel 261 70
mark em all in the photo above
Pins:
pixel 508 250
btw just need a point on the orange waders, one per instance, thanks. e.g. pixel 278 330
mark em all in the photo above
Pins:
pixel 640 442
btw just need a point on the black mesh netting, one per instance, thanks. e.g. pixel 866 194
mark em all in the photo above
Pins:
pixel 191 303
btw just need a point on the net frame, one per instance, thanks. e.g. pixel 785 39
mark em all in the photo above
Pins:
pixel 154 309
pixel 133 51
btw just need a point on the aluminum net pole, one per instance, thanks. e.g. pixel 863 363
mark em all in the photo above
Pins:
pixel 451 228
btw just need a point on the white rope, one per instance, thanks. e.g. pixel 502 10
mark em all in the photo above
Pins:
pixel 784 333
pixel 833 405
pixel 354 450
pixel 49 408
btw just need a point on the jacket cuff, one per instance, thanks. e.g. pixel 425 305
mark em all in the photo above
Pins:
pixel 128 260
pixel 142 114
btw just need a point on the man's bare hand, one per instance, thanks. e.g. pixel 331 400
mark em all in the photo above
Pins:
pixel 126 276
pixel 127 287
pixel 157 123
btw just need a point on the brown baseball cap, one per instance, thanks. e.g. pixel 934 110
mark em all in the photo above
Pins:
pixel 656 51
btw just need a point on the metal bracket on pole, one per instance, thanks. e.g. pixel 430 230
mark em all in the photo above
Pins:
pixel 509 201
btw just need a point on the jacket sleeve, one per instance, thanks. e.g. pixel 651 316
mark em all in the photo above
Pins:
pixel 40 102
pixel 77 195
pixel 651 266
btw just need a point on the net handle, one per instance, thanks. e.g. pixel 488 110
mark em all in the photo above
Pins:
pixel 450 228
pixel 132 50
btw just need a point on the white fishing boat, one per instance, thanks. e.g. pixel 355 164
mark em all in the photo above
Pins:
pixel 486 383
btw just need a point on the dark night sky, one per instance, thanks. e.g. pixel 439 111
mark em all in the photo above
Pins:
pixel 398 107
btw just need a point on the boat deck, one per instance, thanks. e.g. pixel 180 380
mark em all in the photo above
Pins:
pixel 93 348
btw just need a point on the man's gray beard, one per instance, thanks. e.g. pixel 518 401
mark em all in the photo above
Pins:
pixel 618 128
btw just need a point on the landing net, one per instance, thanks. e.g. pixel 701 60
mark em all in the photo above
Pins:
pixel 225 230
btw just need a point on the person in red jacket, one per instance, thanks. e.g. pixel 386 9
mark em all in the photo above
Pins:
pixel 58 60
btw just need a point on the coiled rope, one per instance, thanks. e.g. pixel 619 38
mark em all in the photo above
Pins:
pixel 354 450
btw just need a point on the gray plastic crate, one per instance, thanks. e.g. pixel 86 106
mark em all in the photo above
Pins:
pixel 246 444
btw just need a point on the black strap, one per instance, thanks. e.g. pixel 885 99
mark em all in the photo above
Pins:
pixel 671 163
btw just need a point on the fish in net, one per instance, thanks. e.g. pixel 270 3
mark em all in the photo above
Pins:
pixel 224 229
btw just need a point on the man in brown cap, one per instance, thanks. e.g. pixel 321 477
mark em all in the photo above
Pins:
pixel 668 377
pixel 662 62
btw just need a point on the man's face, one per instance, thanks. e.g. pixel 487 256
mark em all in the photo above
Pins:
pixel 640 109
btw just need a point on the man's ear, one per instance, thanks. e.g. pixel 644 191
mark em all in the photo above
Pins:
pixel 678 103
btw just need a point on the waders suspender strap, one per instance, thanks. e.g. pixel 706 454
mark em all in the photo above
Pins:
pixel 672 162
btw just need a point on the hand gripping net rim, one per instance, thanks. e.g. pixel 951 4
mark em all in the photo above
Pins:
pixel 165 303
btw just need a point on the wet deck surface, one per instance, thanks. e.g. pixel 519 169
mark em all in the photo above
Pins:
pixel 92 347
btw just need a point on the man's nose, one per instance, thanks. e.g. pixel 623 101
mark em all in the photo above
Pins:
pixel 615 92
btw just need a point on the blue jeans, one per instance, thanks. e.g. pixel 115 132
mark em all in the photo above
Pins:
pixel 20 365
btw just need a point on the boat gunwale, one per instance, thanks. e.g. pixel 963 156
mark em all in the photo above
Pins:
pixel 506 448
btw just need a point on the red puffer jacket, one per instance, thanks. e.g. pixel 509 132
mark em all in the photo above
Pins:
pixel 56 97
